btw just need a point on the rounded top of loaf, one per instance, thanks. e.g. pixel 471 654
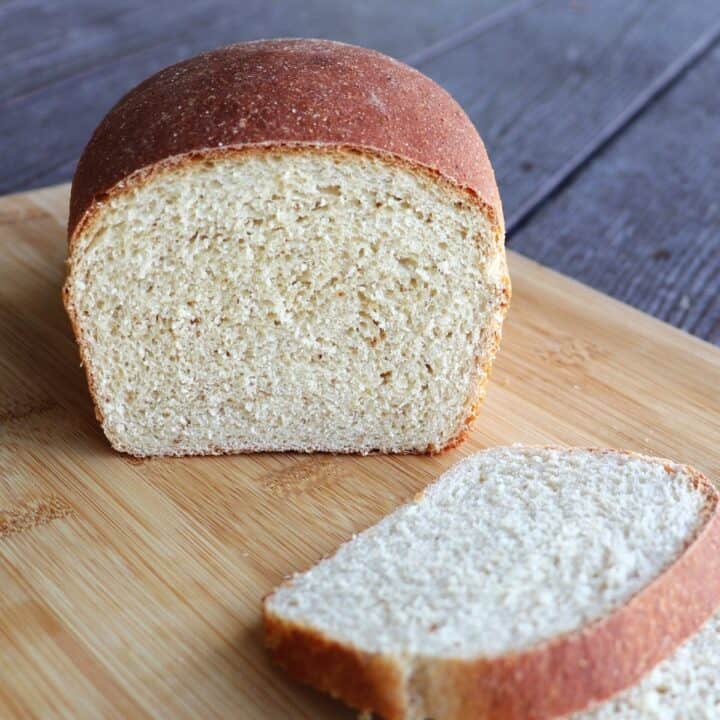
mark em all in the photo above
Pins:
pixel 290 91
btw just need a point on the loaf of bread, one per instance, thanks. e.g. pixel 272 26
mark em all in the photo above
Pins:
pixel 525 584
pixel 286 245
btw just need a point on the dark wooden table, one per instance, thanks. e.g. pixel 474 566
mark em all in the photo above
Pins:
pixel 602 117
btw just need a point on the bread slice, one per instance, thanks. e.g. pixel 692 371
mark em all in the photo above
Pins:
pixel 286 245
pixel 526 583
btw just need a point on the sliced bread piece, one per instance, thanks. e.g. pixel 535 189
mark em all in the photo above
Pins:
pixel 286 245
pixel 686 686
pixel 526 583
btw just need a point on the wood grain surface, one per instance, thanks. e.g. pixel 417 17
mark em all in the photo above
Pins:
pixel 132 588
pixel 654 178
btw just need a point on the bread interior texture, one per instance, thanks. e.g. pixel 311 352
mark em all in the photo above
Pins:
pixel 287 300
pixel 508 549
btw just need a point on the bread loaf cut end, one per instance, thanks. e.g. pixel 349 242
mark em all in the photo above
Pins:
pixel 293 297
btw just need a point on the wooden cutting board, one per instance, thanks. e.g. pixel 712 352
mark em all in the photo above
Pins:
pixel 132 588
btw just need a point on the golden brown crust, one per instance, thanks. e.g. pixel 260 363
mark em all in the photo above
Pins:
pixel 561 676
pixel 283 92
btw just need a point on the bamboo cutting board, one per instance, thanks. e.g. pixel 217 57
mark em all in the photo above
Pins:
pixel 132 588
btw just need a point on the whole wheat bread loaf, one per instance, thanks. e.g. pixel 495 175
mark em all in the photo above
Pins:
pixel 526 583
pixel 286 245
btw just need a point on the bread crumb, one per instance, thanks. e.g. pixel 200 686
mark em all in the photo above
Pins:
pixel 261 301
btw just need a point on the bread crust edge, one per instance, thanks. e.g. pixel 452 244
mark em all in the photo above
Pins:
pixel 369 682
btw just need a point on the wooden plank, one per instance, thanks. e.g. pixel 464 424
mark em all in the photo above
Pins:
pixel 44 42
pixel 651 200
pixel 544 84
pixel 132 588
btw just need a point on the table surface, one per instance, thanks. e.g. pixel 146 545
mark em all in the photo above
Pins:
pixel 601 116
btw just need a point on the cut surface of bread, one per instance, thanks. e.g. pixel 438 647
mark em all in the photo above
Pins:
pixel 524 583
pixel 683 687
pixel 282 300
pixel 286 245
